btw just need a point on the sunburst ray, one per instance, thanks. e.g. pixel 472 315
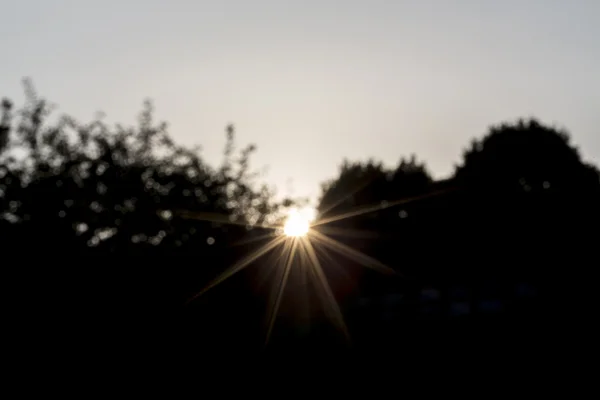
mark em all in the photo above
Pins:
pixel 218 218
pixel 377 207
pixel 283 283
pixel 240 265
pixel 329 298
pixel 349 252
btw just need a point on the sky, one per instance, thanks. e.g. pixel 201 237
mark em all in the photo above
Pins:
pixel 315 81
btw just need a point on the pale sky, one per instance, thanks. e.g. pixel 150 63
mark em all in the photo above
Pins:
pixel 312 82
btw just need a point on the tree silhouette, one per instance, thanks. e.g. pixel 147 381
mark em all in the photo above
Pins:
pixel 372 209
pixel 372 187
pixel 89 187
pixel 528 174
pixel 511 220
pixel 104 226
pixel 531 199
pixel 368 200
pixel 526 157
pixel 96 218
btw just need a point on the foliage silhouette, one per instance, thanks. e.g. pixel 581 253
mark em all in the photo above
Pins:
pixel 515 218
pixel 108 209
pixel 119 190
pixel 120 226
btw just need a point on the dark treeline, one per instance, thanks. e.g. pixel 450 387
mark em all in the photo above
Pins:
pixel 106 232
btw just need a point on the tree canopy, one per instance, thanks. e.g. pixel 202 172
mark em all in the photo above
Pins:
pixel 74 187
pixel 125 213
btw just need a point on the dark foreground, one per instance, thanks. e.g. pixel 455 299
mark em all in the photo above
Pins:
pixel 97 318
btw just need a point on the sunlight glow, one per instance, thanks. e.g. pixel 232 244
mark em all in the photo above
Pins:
pixel 297 224
pixel 303 256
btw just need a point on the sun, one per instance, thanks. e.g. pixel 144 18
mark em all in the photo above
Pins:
pixel 298 222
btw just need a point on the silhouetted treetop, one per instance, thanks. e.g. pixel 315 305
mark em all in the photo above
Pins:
pixel 81 186
pixel 369 183
pixel 525 156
